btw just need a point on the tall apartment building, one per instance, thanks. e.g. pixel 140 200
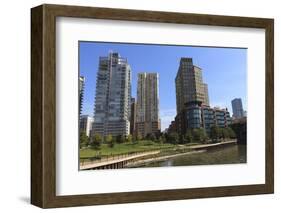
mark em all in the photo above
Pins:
pixel 133 116
pixel 237 108
pixel 113 96
pixel 86 123
pixel 147 120
pixel 81 92
pixel 189 85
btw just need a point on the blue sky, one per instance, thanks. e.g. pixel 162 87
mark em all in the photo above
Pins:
pixel 224 70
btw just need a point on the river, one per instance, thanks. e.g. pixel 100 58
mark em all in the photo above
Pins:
pixel 224 155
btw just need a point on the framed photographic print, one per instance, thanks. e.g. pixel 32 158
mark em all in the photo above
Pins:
pixel 136 106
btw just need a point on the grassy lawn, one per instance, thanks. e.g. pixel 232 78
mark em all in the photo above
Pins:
pixel 124 148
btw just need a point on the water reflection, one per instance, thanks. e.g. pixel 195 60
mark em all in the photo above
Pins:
pixel 226 155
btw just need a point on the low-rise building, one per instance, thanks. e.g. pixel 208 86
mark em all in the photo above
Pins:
pixel 196 115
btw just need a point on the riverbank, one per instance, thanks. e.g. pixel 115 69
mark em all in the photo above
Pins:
pixel 149 156
pixel 105 151
pixel 195 149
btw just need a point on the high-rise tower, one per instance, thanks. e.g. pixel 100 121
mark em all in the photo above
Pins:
pixel 113 96
pixel 81 92
pixel 148 121
pixel 189 85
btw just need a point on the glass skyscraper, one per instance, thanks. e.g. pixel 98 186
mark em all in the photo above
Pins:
pixel 113 96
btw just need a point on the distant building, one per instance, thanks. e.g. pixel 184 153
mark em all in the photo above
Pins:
pixel 86 123
pixel 81 92
pixel 113 96
pixel 237 108
pixel 172 127
pixel 147 119
pixel 133 116
pixel 189 85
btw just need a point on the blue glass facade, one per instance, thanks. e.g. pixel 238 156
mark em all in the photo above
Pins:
pixel 198 116
pixel 194 117
pixel 208 119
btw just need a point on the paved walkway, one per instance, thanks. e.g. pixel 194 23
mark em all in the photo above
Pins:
pixel 116 159
pixel 201 146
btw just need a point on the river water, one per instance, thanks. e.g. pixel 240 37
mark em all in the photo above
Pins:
pixel 224 155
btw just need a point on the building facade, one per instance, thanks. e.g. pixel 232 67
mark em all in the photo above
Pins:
pixel 85 124
pixel 113 96
pixel 196 115
pixel 147 116
pixel 189 85
pixel 206 94
pixel 237 108
pixel 81 92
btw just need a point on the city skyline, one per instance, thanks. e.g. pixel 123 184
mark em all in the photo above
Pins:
pixel 212 61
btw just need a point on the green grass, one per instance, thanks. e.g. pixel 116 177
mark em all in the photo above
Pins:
pixel 124 148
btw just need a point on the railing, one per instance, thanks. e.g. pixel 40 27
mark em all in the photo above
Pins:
pixel 114 157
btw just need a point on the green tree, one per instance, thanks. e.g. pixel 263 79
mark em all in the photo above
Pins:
pixel 181 139
pixel 231 133
pixel 225 133
pixel 196 135
pixel 84 140
pixel 203 135
pixel 110 141
pixel 188 137
pixel 220 133
pixel 120 139
pixel 214 133
pixel 152 137
pixel 111 144
pixel 96 143
pixel 199 134
pixel 148 136
pixel 129 138
pixel 139 137
pixel 173 138
pixel 162 139
pixel 108 138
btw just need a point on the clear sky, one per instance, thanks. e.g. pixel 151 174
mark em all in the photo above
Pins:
pixel 223 69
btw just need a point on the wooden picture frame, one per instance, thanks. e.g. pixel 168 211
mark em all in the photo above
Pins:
pixel 43 105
